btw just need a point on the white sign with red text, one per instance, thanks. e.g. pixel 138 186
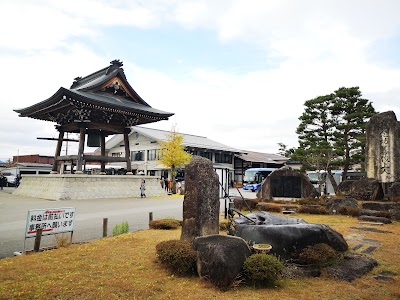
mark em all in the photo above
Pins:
pixel 50 220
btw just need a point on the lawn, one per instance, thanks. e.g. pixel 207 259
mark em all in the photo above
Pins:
pixel 125 267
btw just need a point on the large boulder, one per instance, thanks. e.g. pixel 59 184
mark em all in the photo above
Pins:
pixel 286 183
pixel 335 204
pixel 286 235
pixel 201 201
pixel 394 192
pixel 220 258
pixel 344 188
pixel 362 189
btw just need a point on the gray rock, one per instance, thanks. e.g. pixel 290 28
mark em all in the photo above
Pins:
pixel 344 188
pixel 335 204
pixel 201 201
pixel 286 183
pixel 381 206
pixel 375 219
pixel 351 267
pixel 362 189
pixel 370 212
pixel 286 235
pixel 220 258
pixel 394 192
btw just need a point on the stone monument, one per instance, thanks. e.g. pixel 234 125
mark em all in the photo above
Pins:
pixel 383 149
pixel 201 201
pixel 286 183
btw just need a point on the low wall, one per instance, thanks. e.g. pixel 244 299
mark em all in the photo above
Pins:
pixel 67 186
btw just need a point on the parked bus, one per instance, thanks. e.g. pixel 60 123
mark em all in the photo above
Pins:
pixel 253 178
pixel 320 179
pixel 24 169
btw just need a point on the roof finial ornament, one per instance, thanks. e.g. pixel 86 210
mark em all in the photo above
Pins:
pixel 114 65
pixel 117 63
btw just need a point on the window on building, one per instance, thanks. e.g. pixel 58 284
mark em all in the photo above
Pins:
pixel 116 154
pixel 223 158
pixel 137 155
pixel 205 154
pixel 154 154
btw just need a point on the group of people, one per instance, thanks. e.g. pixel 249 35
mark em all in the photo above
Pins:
pixel 167 185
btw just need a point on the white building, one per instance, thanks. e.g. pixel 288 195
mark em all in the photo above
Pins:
pixel 145 151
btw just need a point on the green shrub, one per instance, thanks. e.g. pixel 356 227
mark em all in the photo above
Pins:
pixel 120 228
pixel 177 256
pixel 318 254
pixel 165 224
pixel 262 268
pixel 223 225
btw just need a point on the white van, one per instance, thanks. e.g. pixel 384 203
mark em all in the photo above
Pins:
pixel 25 169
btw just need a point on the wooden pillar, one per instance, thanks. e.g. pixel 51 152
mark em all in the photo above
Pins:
pixel 127 152
pixel 103 153
pixel 58 151
pixel 80 150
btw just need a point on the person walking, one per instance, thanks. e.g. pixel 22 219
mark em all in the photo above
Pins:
pixel 1 180
pixel 142 189
pixel 166 183
pixel 162 182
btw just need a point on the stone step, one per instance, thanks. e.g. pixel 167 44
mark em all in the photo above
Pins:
pixel 374 219
pixel 370 223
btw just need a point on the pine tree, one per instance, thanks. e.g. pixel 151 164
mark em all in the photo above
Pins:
pixel 351 113
pixel 332 131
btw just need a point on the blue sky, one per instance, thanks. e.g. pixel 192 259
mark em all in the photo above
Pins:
pixel 235 71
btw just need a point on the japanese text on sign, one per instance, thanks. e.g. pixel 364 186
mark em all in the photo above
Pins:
pixel 50 220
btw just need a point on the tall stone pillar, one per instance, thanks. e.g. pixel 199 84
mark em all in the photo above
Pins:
pixel 383 149
pixel 201 202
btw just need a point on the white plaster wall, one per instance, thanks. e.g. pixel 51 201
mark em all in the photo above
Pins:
pixel 67 186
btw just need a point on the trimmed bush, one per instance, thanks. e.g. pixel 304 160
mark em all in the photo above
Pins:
pixel 223 225
pixel 269 207
pixel 312 209
pixel 120 228
pixel 177 256
pixel 262 268
pixel 318 254
pixel 165 224
pixel 349 211
pixel 311 201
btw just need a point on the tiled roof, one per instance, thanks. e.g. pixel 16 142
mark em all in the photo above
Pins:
pixel 261 157
pixel 189 140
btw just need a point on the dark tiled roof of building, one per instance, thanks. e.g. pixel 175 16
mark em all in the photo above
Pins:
pixel 105 91
pixel 262 157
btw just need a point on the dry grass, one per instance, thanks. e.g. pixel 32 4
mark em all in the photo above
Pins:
pixel 125 267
